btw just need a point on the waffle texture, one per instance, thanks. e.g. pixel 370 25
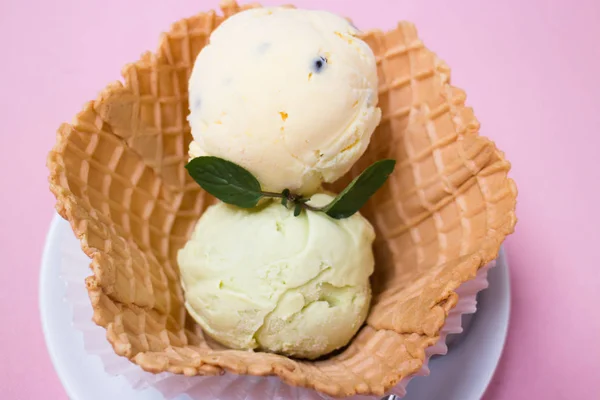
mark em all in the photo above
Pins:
pixel 117 171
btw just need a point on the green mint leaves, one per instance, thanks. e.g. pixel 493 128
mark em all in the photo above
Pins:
pixel 234 185
pixel 356 194
pixel 225 180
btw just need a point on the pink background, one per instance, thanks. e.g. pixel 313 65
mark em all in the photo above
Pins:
pixel 531 70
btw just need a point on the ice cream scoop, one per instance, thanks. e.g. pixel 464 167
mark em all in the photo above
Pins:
pixel 289 94
pixel 264 279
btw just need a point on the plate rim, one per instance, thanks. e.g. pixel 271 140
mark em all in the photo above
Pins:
pixel 47 255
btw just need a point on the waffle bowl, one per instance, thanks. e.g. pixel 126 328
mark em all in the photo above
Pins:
pixel 117 171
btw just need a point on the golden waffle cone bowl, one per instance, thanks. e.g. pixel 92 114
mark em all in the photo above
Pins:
pixel 118 175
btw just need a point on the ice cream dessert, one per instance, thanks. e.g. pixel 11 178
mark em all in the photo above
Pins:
pixel 117 171
pixel 264 279
pixel 290 95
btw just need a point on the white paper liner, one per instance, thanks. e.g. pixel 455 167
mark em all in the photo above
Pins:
pixel 75 268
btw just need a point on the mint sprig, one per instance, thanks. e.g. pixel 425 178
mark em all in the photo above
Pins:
pixel 235 185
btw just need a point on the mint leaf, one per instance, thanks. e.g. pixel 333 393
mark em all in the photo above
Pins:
pixel 356 194
pixel 225 180
pixel 284 198
pixel 297 209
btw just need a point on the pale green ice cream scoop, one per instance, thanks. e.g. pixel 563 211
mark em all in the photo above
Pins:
pixel 264 279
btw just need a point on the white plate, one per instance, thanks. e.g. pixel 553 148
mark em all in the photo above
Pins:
pixel 477 351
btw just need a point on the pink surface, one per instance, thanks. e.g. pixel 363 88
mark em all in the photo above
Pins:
pixel 530 70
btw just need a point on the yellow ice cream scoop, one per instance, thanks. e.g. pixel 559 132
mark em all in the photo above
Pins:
pixel 267 280
pixel 288 94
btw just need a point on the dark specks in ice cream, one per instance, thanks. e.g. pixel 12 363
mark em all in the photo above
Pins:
pixel 197 103
pixel 319 64
pixel 263 47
